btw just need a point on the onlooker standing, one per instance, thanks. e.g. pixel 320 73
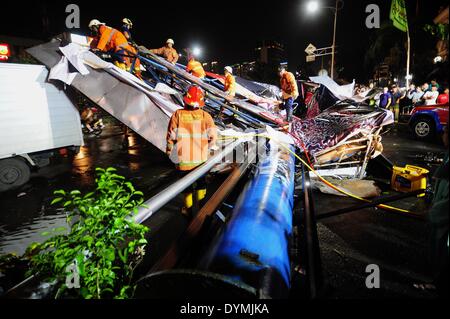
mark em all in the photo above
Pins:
pixel 385 98
pixel 411 91
pixel 434 82
pixel 396 96
pixel 416 96
pixel 426 87
pixel 443 98
pixel 430 97
pixel 406 99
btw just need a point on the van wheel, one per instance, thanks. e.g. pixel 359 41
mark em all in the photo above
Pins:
pixel 424 129
pixel 13 173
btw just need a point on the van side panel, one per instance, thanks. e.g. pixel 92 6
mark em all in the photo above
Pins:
pixel 34 115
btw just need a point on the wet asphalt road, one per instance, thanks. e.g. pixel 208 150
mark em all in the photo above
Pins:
pixel 398 245
pixel 26 212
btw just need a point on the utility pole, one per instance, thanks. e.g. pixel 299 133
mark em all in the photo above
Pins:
pixel 312 7
pixel 333 48
pixel 408 58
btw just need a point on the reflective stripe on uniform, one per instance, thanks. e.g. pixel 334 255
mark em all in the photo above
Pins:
pixel 187 166
pixel 112 33
pixel 194 135
pixel 194 163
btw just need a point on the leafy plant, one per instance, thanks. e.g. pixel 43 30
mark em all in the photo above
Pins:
pixel 103 243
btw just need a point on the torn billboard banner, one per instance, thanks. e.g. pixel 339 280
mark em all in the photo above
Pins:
pixel 329 128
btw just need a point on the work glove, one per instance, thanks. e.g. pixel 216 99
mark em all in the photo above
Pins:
pixel 213 150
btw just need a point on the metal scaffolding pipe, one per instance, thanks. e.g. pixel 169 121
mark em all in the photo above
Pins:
pixel 162 198
pixel 181 245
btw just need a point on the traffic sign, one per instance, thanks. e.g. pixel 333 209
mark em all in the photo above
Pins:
pixel 310 58
pixel 310 49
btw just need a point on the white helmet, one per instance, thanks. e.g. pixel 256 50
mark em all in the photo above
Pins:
pixel 170 41
pixel 127 22
pixel 229 69
pixel 95 23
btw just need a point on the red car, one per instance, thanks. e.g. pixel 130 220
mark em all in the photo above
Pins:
pixel 428 120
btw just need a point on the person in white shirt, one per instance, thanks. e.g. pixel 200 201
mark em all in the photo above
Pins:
pixel 430 97
pixel 415 95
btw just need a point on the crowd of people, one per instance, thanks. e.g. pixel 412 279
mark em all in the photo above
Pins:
pixel 396 99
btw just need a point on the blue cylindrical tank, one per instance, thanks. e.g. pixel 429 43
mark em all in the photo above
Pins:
pixel 254 245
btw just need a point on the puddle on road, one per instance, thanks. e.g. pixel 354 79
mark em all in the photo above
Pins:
pixel 19 239
pixel 23 219
pixel 82 163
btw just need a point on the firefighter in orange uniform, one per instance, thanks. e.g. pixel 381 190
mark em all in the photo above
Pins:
pixel 230 82
pixel 168 52
pixel 230 89
pixel 190 136
pixel 289 90
pixel 195 67
pixel 113 41
pixel 126 28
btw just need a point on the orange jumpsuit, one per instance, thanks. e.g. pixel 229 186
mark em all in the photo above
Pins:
pixel 289 86
pixel 196 69
pixel 230 85
pixel 112 40
pixel 170 54
pixel 191 133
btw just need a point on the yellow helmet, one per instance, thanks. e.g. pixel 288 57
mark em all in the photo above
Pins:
pixel 127 22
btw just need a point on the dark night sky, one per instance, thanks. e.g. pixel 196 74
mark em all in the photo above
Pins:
pixel 227 31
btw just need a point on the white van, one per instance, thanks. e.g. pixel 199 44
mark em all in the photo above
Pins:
pixel 36 119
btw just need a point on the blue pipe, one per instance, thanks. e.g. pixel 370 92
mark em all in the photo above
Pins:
pixel 254 246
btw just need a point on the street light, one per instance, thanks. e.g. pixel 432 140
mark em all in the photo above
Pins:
pixel 197 51
pixel 312 7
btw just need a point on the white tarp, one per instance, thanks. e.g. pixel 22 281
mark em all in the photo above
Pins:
pixel 144 109
pixel 342 92
pixel 73 55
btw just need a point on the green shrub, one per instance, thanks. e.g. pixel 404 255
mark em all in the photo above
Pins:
pixel 104 245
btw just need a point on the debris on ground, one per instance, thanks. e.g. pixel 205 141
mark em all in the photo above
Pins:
pixel 360 188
